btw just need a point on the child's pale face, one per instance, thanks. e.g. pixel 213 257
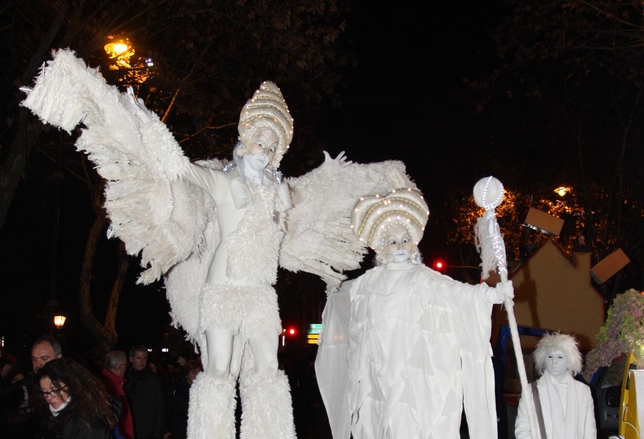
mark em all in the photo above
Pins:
pixel 557 364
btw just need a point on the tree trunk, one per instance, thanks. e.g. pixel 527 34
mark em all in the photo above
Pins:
pixel 104 334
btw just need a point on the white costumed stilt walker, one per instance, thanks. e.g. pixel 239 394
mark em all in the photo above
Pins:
pixel 216 232
pixel 488 194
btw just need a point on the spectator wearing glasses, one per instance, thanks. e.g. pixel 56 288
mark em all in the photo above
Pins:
pixel 72 402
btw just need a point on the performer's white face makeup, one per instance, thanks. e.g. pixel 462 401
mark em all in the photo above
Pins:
pixel 264 141
pixel 256 162
pixel 557 364
pixel 398 244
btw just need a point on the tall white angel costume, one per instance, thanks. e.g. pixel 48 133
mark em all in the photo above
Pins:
pixel 564 406
pixel 216 232
pixel 418 344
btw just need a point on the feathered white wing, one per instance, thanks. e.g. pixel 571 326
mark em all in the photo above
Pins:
pixel 319 238
pixel 151 208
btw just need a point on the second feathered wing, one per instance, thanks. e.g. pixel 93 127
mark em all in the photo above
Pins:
pixel 320 239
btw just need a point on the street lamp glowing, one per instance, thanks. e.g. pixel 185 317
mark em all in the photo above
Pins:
pixel 135 70
pixel 120 51
pixel 116 48
pixel 563 190
pixel 59 321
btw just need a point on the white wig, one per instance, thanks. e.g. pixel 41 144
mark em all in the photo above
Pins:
pixel 558 342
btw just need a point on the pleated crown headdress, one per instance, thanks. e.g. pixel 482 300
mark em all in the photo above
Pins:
pixel 374 214
pixel 267 109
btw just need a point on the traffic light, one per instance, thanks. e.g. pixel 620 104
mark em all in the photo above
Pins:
pixel 290 332
pixel 439 265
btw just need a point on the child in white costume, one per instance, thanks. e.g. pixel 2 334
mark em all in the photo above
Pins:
pixel 216 234
pixel 419 340
pixel 566 405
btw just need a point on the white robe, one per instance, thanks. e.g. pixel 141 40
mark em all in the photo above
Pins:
pixel 578 398
pixel 418 348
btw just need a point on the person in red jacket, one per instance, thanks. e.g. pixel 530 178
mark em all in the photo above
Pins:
pixel 113 377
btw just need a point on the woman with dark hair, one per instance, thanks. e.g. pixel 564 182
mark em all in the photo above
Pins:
pixel 72 402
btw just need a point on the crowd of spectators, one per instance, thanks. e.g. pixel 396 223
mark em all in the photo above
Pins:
pixel 58 397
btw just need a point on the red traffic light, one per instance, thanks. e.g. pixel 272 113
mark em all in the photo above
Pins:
pixel 291 331
pixel 439 265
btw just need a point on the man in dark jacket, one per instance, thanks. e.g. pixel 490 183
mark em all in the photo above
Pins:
pixel 146 394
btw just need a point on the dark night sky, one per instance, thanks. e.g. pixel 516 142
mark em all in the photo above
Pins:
pixel 405 101
pixel 408 83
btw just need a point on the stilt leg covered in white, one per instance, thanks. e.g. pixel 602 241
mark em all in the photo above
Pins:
pixel 211 413
pixel 267 412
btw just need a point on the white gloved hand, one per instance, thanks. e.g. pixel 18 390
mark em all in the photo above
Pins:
pixel 339 162
pixel 504 289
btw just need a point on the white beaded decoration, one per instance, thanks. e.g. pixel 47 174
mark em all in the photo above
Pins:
pixel 488 194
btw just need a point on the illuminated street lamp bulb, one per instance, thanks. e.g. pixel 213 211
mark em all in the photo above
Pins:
pixel 59 321
pixel 562 190
pixel 119 48
pixel 116 49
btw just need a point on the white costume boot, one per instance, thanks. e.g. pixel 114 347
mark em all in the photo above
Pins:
pixel 266 407
pixel 211 413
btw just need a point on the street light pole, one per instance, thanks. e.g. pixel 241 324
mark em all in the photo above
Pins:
pixel 52 303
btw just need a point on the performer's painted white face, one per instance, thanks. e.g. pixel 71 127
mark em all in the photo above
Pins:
pixel 256 162
pixel 557 364
pixel 264 141
pixel 398 244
